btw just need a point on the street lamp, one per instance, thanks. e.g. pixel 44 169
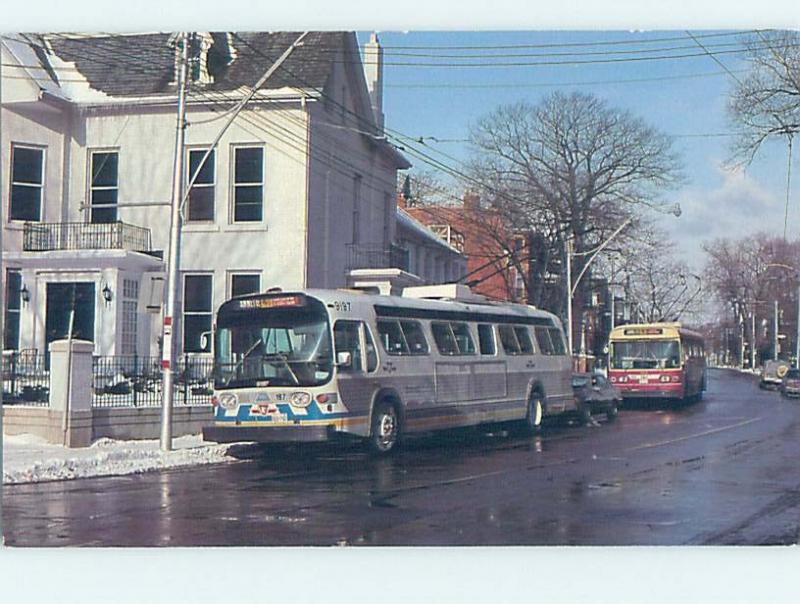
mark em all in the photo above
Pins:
pixel 675 210
pixel 572 287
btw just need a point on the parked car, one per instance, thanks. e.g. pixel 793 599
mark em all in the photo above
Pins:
pixel 790 385
pixel 773 373
pixel 595 394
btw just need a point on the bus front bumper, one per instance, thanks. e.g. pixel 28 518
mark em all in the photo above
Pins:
pixel 273 434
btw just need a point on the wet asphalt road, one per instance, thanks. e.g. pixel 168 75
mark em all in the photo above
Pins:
pixel 722 471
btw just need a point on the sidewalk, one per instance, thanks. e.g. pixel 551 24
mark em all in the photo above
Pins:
pixel 28 458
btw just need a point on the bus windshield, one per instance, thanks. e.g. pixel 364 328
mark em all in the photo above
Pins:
pixel 273 347
pixel 646 354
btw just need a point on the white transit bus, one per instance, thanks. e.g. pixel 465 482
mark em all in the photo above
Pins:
pixel 313 364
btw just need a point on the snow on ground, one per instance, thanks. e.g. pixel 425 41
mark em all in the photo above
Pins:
pixel 28 458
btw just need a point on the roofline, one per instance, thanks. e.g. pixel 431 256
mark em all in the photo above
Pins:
pixel 425 231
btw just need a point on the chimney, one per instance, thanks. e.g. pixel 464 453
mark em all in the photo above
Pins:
pixel 472 201
pixel 373 72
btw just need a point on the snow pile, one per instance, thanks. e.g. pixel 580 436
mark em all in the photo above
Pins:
pixel 28 458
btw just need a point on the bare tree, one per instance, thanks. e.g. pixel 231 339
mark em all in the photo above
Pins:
pixel 749 276
pixel 570 167
pixel 766 103
pixel 660 285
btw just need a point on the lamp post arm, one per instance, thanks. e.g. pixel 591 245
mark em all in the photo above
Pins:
pixel 594 253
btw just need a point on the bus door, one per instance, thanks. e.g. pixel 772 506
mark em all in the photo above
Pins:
pixel 351 340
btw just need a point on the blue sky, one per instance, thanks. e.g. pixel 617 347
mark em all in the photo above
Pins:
pixel 684 97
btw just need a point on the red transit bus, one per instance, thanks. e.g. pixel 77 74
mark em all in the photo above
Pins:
pixel 657 360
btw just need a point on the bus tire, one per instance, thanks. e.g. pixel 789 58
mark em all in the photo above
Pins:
pixel 384 433
pixel 532 424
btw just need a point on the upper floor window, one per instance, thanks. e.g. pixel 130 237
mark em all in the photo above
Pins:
pixel 27 183
pixel 248 184
pixel 104 186
pixel 200 205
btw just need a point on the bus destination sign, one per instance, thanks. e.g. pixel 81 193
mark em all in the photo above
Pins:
pixel 279 302
pixel 644 331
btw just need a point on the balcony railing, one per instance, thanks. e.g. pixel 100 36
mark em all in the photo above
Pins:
pixel 50 236
pixel 360 256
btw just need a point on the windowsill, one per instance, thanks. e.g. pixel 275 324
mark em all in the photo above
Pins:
pixel 18 225
pixel 247 226
pixel 200 227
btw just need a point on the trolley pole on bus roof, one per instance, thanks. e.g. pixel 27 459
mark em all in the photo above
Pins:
pixel 173 258
pixel 179 197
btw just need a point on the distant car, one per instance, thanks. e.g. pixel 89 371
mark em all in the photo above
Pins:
pixel 595 394
pixel 773 373
pixel 790 385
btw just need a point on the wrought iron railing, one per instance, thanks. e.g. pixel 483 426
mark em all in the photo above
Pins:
pixel 26 381
pixel 49 236
pixel 360 256
pixel 130 380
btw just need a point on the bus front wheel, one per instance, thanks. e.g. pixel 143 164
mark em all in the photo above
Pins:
pixel 384 431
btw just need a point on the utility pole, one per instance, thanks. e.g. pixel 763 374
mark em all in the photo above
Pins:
pixel 173 259
pixel 775 335
pixel 753 339
pixel 569 297
pixel 179 198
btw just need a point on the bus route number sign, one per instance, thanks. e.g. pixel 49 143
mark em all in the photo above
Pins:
pixel 340 306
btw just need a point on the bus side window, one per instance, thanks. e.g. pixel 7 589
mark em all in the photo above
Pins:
pixel 415 337
pixel 486 339
pixel 524 339
pixel 508 339
pixel 463 338
pixel 392 337
pixel 557 339
pixel 443 336
pixel 543 340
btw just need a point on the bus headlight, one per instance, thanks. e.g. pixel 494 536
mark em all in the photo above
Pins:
pixel 300 399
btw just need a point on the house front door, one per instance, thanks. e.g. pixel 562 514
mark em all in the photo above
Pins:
pixel 61 299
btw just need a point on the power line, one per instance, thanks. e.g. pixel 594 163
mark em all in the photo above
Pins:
pixel 496 85
pixel 572 44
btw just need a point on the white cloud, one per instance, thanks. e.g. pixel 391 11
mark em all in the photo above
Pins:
pixel 738 206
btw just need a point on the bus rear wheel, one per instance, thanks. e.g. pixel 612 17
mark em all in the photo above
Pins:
pixel 533 418
pixel 384 433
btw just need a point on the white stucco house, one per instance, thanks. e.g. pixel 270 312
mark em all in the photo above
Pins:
pixel 299 192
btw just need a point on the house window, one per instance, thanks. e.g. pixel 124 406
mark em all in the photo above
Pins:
pixel 197 311
pixel 248 184
pixel 356 209
pixel 244 284
pixel 27 183
pixel 200 205
pixel 13 288
pixel 130 304
pixel 104 188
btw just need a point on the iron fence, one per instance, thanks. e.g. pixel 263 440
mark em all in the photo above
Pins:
pixel 26 380
pixel 130 380
pixel 48 236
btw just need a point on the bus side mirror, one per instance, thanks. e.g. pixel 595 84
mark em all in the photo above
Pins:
pixel 205 340
pixel 344 359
